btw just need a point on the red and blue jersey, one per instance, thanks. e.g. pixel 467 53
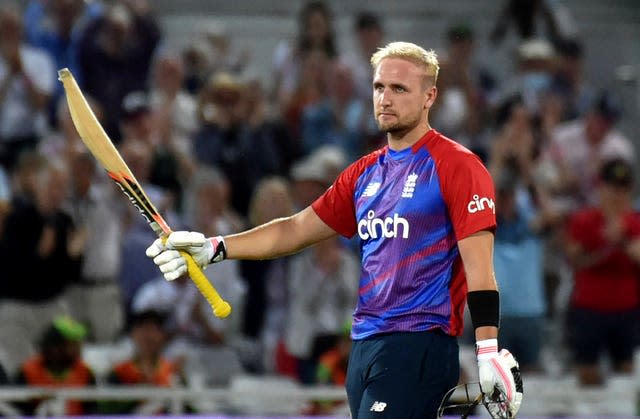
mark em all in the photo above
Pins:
pixel 409 209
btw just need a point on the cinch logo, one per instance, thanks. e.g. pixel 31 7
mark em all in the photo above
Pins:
pixel 372 228
pixel 378 406
pixel 480 204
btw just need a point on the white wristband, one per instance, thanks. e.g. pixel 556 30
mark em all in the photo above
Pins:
pixel 487 348
pixel 218 251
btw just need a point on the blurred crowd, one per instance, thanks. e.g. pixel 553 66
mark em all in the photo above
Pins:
pixel 218 151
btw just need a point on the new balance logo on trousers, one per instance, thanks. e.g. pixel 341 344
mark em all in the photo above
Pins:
pixel 378 406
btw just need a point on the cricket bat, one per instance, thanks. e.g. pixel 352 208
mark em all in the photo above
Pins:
pixel 100 145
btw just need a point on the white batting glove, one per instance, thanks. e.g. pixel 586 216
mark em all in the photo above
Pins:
pixel 203 250
pixel 496 372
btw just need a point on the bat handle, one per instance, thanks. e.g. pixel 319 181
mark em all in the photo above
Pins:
pixel 220 307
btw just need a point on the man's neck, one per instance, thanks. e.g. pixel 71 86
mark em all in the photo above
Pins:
pixel 404 139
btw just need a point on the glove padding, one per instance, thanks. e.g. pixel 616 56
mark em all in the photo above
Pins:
pixel 171 263
pixel 499 371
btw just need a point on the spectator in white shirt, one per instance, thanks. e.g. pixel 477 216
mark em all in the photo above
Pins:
pixel 577 148
pixel 27 81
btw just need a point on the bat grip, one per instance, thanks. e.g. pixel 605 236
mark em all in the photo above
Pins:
pixel 220 307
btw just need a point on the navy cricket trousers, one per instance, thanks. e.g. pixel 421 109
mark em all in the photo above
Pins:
pixel 401 375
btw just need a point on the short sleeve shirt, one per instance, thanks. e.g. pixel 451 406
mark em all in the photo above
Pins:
pixel 409 209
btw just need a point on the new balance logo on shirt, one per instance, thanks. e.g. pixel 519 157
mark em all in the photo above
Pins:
pixel 371 189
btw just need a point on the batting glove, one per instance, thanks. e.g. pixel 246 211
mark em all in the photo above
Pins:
pixel 496 371
pixel 203 250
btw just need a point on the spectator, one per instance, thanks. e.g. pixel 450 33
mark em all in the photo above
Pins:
pixel 198 336
pixel 461 98
pixel 27 78
pixel 207 202
pixel 312 175
pixel 193 334
pixel 333 363
pixel 569 81
pixel 527 16
pixel 97 213
pixel 24 179
pixel 185 311
pixel 170 158
pixel 369 36
pixel 576 150
pixel 207 207
pixel 56 26
pixel 39 250
pixel 272 198
pixel 519 269
pixel 210 51
pixel 267 299
pixel 115 54
pixel 227 141
pixel 224 55
pixel 315 33
pixel 310 95
pixel 135 271
pixel 147 366
pixel 59 363
pixel 197 66
pixel 334 116
pixel 323 287
pixel 361 128
pixel 603 246
pixel 522 216
pixel 534 69
pixel 173 107
pixel 268 127
pixel 332 370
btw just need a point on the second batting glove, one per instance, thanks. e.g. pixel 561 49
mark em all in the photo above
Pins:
pixel 496 372
pixel 203 250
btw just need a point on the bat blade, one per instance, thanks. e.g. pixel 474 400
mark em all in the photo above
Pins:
pixel 100 145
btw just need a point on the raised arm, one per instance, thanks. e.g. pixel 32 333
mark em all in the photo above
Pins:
pixel 279 237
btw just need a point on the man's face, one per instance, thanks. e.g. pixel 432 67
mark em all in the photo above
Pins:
pixel 149 338
pixel 138 126
pixel 370 39
pixel 596 127
pixel 615 196
pixel 401 99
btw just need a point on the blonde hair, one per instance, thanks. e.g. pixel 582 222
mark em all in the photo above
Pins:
pixel 410 52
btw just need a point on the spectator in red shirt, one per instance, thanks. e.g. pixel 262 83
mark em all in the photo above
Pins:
pixel 603 245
